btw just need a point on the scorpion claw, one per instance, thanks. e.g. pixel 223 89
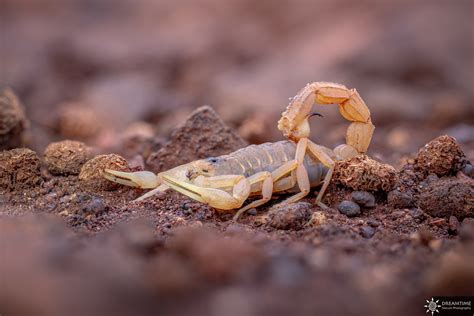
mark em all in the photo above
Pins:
pixel 183 187
pixel 139 179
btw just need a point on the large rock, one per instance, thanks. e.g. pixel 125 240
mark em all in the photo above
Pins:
pixel 202 135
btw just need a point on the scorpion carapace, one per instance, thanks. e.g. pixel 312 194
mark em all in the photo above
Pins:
pixel 297 165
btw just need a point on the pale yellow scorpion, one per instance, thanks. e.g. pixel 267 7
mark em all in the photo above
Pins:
pixel 295 165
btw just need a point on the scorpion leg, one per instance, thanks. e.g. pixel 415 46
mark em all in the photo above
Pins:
pixel 320 153
pixel 271 183
pixel 301 173
pixel 267 188
pixel 160 188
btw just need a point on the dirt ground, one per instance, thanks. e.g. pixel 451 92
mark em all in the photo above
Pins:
pixel 121 84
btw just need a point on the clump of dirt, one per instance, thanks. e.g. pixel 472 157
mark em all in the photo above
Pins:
pixel 362 173
pixel 12 120
pixel 292 216
pixel 448 197
pixel 202 135
pixel 92 171
pixel 77 121
pixel 19 169
pixel 441 156
pixel 66 157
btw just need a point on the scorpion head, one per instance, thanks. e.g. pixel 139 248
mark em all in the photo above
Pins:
pixel 203 167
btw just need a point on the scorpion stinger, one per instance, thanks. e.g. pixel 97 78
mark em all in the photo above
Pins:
pixel 294 123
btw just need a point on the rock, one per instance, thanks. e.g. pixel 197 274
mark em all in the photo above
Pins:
pixel 252 211
pixel 363 198
pixel 364 174
pixel 92 171
pixel 448 197
pixel 95 206
pixel 66 157
pixel 349 208
pixel 13 121
pixel 367 231
pixel 399 199
pixel 202 135
pixel 289 216
pixel 441 156
pixel 468 170
pixel 19 169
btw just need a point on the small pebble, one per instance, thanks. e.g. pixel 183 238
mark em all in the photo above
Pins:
pixel 95 206
pixel 349 208
pixel 252 211
pixel 363 198
pixel 468 170
pixel 399 199
pixel 367 231
pixel 431 178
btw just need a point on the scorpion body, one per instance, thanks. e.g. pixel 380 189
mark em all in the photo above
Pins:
pixel 297 165
pixel 267 157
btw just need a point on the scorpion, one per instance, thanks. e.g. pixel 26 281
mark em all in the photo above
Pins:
pixel 291 166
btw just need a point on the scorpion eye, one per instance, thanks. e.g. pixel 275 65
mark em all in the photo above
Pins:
pixel 212 160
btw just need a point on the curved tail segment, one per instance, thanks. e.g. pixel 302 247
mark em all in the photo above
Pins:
pixel 294 123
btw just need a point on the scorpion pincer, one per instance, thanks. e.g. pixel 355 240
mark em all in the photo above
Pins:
pixel 292 166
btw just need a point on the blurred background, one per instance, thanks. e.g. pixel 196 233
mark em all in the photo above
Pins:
pixel 90 69
pixel 119 75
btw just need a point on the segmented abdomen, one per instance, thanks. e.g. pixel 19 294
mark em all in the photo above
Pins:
pixel 268 157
